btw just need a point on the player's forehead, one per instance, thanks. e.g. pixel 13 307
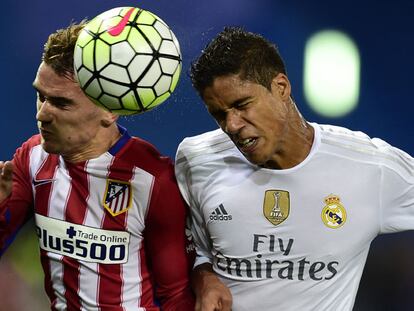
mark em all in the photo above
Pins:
pixel 230 89
pixel 49 83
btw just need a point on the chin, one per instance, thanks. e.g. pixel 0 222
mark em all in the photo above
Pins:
pixel 49 148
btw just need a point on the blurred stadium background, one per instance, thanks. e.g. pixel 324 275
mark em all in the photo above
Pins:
pixel 374 90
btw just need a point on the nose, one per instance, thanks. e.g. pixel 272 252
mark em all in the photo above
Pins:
pixel 43 113
pixel 233 122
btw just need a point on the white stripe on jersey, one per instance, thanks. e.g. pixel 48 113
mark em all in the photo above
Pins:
pixel 56 271
pixel 88 272
pixel 144 181
pixel 59 197
pixel 37 160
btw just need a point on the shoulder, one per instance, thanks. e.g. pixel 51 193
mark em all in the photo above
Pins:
pixel 26 148
pixel 331 134
pixel 142 154
pixel 205 147
pixel 359 146
pixel 33 141
pixel 201 159
pixel 29 156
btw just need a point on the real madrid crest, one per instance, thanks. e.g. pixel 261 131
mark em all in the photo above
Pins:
pixel 276 206
pixel 118 194
pixel 333 214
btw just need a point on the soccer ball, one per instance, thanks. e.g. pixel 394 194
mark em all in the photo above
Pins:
pixel 127 60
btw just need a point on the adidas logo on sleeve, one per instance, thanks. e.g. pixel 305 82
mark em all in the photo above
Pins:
pixel 220 214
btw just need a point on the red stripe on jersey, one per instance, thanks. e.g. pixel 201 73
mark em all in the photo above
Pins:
pixel 43 189
pixel 147 290
pixel 115 204
pixel 42 198
pixel 110 276
pixel 75 213
pixel 124 199
pixel 148 162
pixel 44 260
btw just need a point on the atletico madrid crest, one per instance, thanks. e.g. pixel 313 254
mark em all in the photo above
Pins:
pixel 118 195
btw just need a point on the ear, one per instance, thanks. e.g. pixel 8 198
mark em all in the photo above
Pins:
pixel 281 86
pixel 108 119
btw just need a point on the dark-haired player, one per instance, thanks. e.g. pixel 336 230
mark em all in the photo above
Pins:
pixel 284 210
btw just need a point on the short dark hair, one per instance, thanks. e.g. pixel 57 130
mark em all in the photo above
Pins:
pixel 59 48
pixel 236 51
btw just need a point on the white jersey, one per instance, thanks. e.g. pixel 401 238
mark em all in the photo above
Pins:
pixel 294 239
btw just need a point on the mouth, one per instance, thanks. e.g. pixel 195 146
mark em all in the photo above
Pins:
pixel 246 145
pixel 44 132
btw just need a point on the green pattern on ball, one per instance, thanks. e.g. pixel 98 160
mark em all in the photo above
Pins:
pixel 103 50
pixel 138 42
pixel 152 34
pixel 159 100
pixel 88 56
pixel 146 18
pixel 130 101
pixel 93 89
pixel 105 36
pixel 130 69
pixel 94 25
pixel 83 39
pixel 146 95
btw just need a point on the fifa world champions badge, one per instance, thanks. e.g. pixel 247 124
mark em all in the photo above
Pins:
pixel 333 214
pixel 276 206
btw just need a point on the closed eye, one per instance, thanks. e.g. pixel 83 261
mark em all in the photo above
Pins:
pixel 56 101
pixel 242 103
pixel 218 114
pixel 60 102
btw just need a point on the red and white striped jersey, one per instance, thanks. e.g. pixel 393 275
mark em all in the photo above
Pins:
pixel 111 229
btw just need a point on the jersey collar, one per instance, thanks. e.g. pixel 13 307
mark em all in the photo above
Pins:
pixel 121 141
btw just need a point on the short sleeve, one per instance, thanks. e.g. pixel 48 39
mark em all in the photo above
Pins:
pixel 397 191
pixel 184 175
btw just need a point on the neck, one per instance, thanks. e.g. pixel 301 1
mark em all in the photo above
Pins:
pixel 295 143
pixel 100 144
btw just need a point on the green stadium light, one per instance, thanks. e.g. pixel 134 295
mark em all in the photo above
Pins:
pixel 331 73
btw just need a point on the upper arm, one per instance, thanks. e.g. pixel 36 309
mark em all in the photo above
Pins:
pixel 188 189
pixel 168 248
pixel 18 208
pixel 397 192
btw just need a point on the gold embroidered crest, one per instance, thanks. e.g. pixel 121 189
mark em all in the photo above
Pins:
pixel 333 214
pixel 276 206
